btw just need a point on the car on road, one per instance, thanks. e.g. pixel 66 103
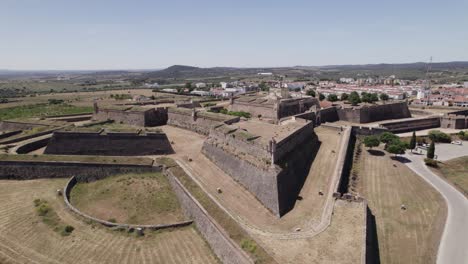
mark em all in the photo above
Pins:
pixel 457 143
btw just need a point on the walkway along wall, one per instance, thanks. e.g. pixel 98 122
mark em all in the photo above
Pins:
pixel 226 249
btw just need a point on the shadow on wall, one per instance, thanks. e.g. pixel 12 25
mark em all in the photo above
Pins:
pixel 372 241
pixel 295 171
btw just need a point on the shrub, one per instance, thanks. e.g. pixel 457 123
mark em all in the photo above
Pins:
pixel 371 141
pixel 438 136
pixel 397 148
pixel 43 209
pixel 67 230
pixel 388 137
pixel 248 245
pixel 431 162
pixel 431 151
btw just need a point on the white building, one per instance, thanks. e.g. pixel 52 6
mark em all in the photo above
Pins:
pixel 223 85
pixel 201 93
pixel 169 90
pixel 465 84
pixel 423 94
pixel 200 85
pixel 152 85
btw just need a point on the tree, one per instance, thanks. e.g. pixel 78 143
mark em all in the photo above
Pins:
pixel 263 86
pixel 332 98
pixel 384 97
pixel 396 148
pixel 344 96
pixel 354 98
pixel 188 85
pixel 388 137
pixel 374 97
pixel 412 144
pixel 321 97
pixel 311 93
pixel 439 136
pixel 371 141
pixel 431 151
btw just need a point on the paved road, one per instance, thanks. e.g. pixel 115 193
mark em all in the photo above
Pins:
pixel 453 247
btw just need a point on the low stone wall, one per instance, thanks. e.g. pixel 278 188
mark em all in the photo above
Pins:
pixel 12 125
pixel 412 125
pixel 110 144
pixel 31 146
pixel 367 131
pixel 28 170
pixel 218 239
pixel 18 139
pixel 67 191
pixel 9 134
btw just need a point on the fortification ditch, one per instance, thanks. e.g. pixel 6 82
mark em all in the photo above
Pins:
pixel 218 239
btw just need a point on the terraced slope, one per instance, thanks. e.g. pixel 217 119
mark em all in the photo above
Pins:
pixel 25 239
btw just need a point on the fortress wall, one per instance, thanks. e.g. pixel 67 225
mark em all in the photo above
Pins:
pixel 329 114
pixel 9 134
pixel 119 116
pixel 264 110
pixel 218 239
pixel 289 107
pixel 412 125
pixel 294 140
pixel 115 144
pixel 200 123
pixel 262 183
pixel 251 147
pixel 367 114
pixel 18 139
pixel 368 131
pixel 455 120
pixel 31 146
pixel 11 125
pixel 28 170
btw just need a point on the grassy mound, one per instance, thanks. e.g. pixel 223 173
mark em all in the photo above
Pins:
pixel 456 171
pixel 130 198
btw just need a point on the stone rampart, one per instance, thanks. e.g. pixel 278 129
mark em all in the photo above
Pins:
pixel 28 170
pixel 110 144
pixel 372 113
pixel 412 125
pixel 9 134
pixel 12 125
pixel 218 239
pixel 26 137
pixel 455 120
pixel 31 146
pixel 264 110
pixel 329 114
pixel 199 122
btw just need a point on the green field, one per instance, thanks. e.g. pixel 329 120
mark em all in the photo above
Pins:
pixel 456 171
pixel 42 110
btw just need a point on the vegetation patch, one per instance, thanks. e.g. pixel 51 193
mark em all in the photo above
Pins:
pixel 78 158
pixel 455 171
pixel 50 217
pixel 131 198
pixel 42 110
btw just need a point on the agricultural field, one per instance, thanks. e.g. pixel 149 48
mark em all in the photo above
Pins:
pixel 27 238
pixel 42 110
pixel 456 172
pixel 142 199
pixel 404 236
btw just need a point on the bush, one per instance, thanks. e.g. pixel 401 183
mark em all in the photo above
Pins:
pixel 431 162
pixel 248 245
pixel 55 101
pixel 371 141
pixel 388 137
pixel 438 136
pixel 43 209
pixel 67 230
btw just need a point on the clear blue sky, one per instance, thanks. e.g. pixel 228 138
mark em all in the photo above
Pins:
pixel 105 34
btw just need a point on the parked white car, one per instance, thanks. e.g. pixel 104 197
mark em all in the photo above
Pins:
pixel 457 143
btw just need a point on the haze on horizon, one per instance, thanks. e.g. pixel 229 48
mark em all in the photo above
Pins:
pixel 93 35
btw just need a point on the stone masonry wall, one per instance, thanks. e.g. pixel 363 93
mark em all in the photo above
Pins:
pixel 264 110
pixel 226 249
pixel 412 125
pixel 27 170
pixel 11 125
pixel 197 122
pixel 367 114
pixel 115 144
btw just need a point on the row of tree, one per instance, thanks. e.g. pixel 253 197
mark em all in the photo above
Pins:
pixel 354 98
pixel 394 145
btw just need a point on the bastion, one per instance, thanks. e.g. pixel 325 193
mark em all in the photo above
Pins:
pixel 108 142
pixel 455 120
pixel 272 106
pixel 131 115
pixel 367 113
pixel 271 161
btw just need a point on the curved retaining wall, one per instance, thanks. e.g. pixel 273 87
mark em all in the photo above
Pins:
pixel 31 146
pixel 223 246
pixel 73 181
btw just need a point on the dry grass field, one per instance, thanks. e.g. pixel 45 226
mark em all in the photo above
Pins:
pixel 132 198
pixel 404 236
pixel 26 239
pixel 456 172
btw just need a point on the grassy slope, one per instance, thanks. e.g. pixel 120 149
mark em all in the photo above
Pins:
pixel 132 199
pixel 456 171
pixel 404 236
pixel 40 110
pixel 78 158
